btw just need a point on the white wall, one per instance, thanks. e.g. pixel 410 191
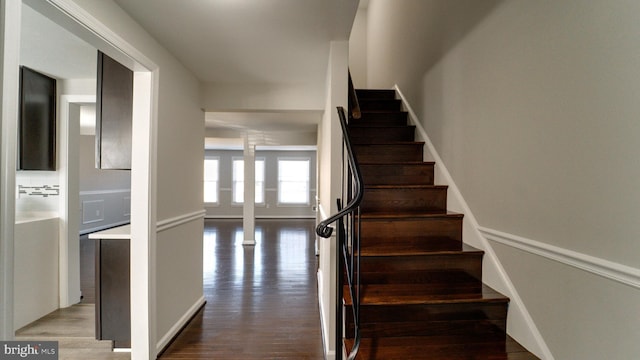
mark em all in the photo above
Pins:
pixel 79 86
pixel 330 180
pixel 406 37
pixel 534 115
pixel 358 50
pixel 219 97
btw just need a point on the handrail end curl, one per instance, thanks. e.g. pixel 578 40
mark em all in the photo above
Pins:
pixel 324 230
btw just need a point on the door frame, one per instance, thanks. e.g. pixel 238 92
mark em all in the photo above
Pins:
pixel 74 18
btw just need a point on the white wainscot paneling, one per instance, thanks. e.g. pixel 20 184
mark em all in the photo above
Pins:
pixel 92 211
pixel 104 209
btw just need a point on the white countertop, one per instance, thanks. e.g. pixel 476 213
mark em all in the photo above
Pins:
pixel 119 232
pixel 28 216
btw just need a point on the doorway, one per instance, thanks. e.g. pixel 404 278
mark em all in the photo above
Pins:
pixel 75 20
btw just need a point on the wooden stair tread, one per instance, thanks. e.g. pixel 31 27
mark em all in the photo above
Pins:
pixel 417 294
pixel 439 348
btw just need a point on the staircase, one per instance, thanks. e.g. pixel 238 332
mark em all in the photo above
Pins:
pixel 422 295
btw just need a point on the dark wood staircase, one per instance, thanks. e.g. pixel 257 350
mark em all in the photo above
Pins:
pixel 422 295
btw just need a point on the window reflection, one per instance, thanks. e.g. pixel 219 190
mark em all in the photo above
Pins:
pixel 292 251
pixel 209 256
pixel 247 258
pixel 279 259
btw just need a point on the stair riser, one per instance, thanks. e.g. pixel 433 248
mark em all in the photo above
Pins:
pixel 381 119
pixel 436 319
pixel 380 104
pixel 473 329
pixel 404 200
pixel 375 94
pixel 389 152
pixel 409 245
pixel 398 174
pixel 377 231
pixel 372 135
pixel 468 262
pixel 416 278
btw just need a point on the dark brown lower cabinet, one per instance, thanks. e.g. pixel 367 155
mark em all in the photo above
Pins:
pixel 113 295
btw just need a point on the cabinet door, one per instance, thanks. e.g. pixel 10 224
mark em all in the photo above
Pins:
pixel 37 129
pixel 114 107
pixel 113 295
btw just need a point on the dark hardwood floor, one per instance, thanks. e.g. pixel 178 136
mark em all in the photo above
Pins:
pixel 261 300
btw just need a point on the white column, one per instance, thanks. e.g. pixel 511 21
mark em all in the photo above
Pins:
pixel 248 221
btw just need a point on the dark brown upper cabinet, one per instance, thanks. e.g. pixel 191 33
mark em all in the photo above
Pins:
pixel 114 107
pixel 37 125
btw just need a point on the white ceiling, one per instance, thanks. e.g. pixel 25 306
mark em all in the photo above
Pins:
pixel 247 41
pixel 47 47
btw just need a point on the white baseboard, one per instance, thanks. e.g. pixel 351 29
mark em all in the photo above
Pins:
pixel 328 353
pixel 498 277
pixel 175 329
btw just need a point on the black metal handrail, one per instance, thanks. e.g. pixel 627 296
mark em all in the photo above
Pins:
pixel 324 229
pixel 348 241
